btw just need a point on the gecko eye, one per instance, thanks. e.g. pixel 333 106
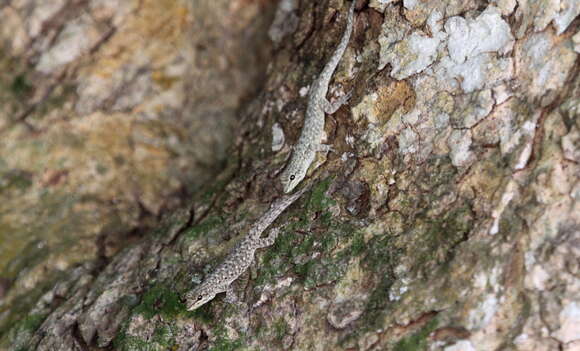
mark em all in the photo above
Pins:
pixel 292 177
pixel 199 298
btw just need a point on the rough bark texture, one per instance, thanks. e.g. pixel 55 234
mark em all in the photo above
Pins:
pixel 111 113
pixel 447 218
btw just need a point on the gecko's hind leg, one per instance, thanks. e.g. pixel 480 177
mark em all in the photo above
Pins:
pixel 231 296
pixel 323 148
pixel 331 107
pixel 270 239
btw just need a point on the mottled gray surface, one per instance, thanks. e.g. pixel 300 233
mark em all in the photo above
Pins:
pixel 447 219
pixel 241 256
pixel 312 132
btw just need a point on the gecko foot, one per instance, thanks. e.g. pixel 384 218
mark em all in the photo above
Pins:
pixel 324 148
pixel 331 107
pixel 231 296
pixel 270 239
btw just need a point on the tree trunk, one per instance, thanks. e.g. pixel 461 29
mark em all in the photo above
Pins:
pixel 447 216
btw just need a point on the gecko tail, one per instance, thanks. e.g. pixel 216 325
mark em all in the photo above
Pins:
pixel 341 48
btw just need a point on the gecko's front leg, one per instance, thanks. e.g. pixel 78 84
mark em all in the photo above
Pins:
pixel 231 296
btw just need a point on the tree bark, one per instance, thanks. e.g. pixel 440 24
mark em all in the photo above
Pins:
pixel 446 218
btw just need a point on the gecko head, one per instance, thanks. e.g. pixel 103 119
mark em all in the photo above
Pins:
pixel 291 177
pixel 198 297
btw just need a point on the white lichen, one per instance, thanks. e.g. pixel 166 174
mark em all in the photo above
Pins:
pixel 72 42
pixel 277 137
pixel 508 194
pixel 408 141
pixel 415 52
pixel 477 72
pixel 380 5
pixel 285 21
pixel 569 330
pixel 481 316
pixel 569 9
pixel 461 345
pixel 473 46
pixel 576 42
pixel 544 62
pixel 469 38
pixel 506 7
pixel 459 142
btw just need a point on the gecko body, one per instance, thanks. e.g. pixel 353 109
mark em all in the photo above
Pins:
pixel 240 257
pixel 310 140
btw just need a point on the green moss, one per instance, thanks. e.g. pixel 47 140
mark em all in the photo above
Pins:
pixel 319 202
pixel 325 271
pixel 417 341
pixel 204 314
pixel 16 179
pixel 380 258
pixel 133 343
pixel 316 207
pixel 204 227
pixel 164 336
pixel 377 306
pixel 164 299
pixel 121 337
pixel 316 231
pixel 437 239
pixel 290 245
pixel 301 270
pixel 102 169
pixel 318 199
pixel 380 253
pixel 284 244
pixel 56 100
pixel 300 240
pixel 222 343
pixel 329 241
pixel 227 345
pixel 33 321
pixel 277 259
pixel 19 335
pixel 280 329
pixel 304 247
pixel 162 339
pixel 213 189
pixel 358 244
pixel 17 320
pixel 160 299
pixel 20 86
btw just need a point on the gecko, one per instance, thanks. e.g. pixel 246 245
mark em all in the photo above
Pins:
pixel 240 257
pixel 310 140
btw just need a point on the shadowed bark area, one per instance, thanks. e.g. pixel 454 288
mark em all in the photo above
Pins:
pixel 447 216
pixel 111 114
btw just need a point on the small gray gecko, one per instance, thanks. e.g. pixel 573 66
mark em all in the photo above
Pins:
pixel 310 140
pixel 240 257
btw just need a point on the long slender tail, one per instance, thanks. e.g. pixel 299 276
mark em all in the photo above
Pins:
pixel 274 212
pixel 337 55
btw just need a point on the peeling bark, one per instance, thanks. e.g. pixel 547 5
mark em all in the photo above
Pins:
pixel 448 217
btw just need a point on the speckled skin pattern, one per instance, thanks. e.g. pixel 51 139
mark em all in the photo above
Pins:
pixel 310 140
pixel 240 257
